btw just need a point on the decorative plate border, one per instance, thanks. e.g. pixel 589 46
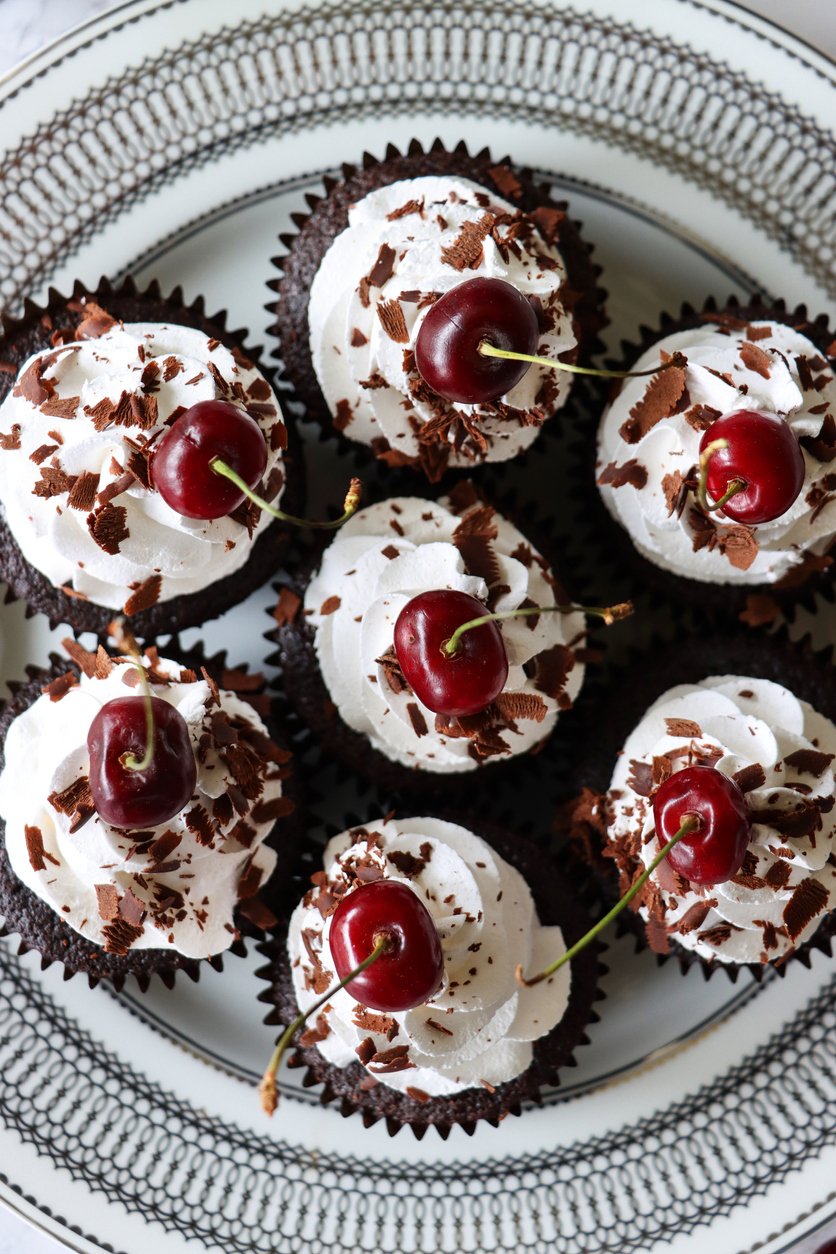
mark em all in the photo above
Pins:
pixel 694 1161
pixel 716 127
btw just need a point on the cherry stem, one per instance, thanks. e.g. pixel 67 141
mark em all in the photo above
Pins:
pixel 352 499
pixel 735 486
pixel 490 350
pixel 267 1087
pixel 609 613
pixel 127 642
pixel 689 824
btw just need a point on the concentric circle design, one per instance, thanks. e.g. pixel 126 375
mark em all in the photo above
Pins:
pixel 640 92
pixel 158 1156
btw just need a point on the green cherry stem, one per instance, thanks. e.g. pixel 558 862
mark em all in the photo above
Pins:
pixel 267 1087
pixel 690 824
pixel 489 350
pixel 352 499
pixel 735 486
pixel 609 613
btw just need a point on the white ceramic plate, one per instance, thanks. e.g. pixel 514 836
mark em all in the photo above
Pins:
pixel 174 139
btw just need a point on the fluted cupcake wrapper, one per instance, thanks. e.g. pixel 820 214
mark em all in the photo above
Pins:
pixel 19 339
pixel 328 217
pixel 38 927
pixel 359 1093
pixel 693 602
pixel 606 725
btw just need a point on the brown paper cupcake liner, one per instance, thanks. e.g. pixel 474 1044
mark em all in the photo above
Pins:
pixel 328 217
pixel 541 770
pixel 617 558
pixel 556 904
pixel 38 927
pixel 33 332
pixel 606 726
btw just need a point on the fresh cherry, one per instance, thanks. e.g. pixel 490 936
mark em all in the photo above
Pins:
pixel 410 970
pixel 763 456
pixel 124 796
pixel 447 345
pixel 714 851
pixel 453 684
pixel 181 470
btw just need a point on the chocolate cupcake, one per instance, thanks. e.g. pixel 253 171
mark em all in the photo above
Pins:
pixel 374 255
pixel 88 386
pixel 134 895
pixel 340 668
pixel 762 715
pixel 774 539
pixel 481 1044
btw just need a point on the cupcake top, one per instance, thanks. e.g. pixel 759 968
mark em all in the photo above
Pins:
pixel 175 886
pixel 383 557
pixel 780 752
pixel 649 440
pixel 479 1027
pixel 405 246
pixel 77 433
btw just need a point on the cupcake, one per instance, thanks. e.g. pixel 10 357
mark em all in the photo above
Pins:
pixel 478 1043
pixel 131 893
pixel 750 724
pixel 89 386
pixel 340 667
pixel 374 256
pixel 777 530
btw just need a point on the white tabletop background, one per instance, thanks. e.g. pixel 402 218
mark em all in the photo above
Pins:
pixel 26 25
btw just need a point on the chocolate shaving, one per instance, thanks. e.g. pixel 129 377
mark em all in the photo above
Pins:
pixel 640 778
pixel 512 706
pixel 632 472
pixel 756 359
pixel 42 453
pixel 59 687
pixel 35 849
pixel 76 801
pixel 384 1025
pixel 803 820
pixel 287 607
pixel 107 898
pixel 365 1051
pixel 701 417
pixel 390 1060
pixel 131 908
pixel 95 323
pixel 83 492
pixel 659 401
pixel 438 1027
pixel 53 482
pixel 553 667
pixel 695 916
pixel 808 900
pixel 11 441
pixel 750 777
pixel 143 597
pixel 393 321
pixel 315 1032
pixel 682 727
pixel 108 527
pixel 778 874
pixel 200 824
pixel 407 863
pixel 119 936
pixel 466 251
pixel 343 416
pixel 809 761
pixel 416 718
pixel 392 672
pixel 823 445
pixel 330 605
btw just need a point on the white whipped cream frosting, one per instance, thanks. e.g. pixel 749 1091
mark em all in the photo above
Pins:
pixel 46 746
pixel 350 344
pixel 175 367
pixel 487 923
pixel 383 557
pixel 751 918
pixel 672 445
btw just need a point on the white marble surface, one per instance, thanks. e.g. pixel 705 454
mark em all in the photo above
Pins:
pixel 25 26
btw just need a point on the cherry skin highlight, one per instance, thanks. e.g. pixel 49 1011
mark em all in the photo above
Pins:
pixel 405 976
pixel 138 799
pixel 762 452
pixel 466 681
pixel 447 345
pixel 714 852
pixel 181 470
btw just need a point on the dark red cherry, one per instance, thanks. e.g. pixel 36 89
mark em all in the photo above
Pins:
pixel 407 974
pixel 180 469
pixel 466 681
pixel 130 798
pixel 447 346
pixel 762 452
pixel 715 851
